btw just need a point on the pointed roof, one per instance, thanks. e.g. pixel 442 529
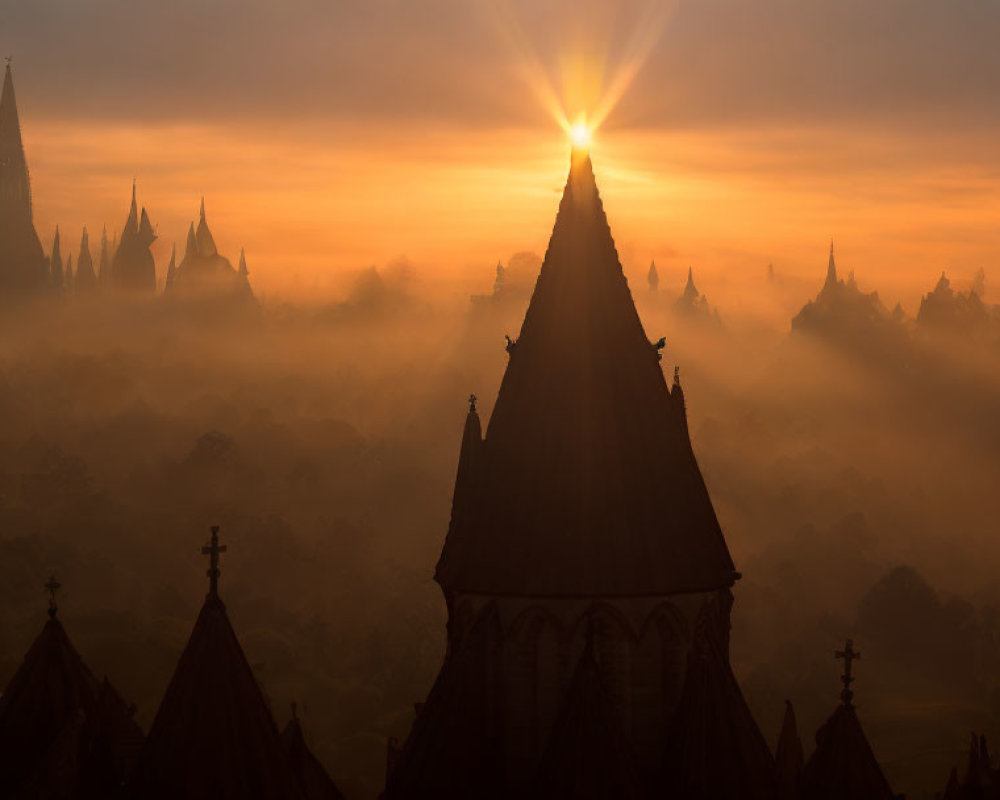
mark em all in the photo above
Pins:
pixel 10 124
pixel 789 759
pixel 453 751
pixel 690 290
pixel 243 264
pixel 831 270
pixel 104 267
pixel 206 244
pixel 716 748
pixel 86 278
pixel 49 689
pixel 315 782
pixel 191 245
pixel 843 764
pixel 213 735
pixel 583 453
pixel 13 165
pixel 588 756
pixel 132 223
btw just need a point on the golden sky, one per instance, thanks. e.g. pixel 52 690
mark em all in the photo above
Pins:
pixel 329 136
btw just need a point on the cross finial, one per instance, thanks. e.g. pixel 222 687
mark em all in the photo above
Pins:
pixel 52 586
pixel 212 550
pixel 472 403
pixel 849 655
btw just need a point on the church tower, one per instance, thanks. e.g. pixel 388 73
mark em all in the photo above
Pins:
pixel 582 537
pixel 22 262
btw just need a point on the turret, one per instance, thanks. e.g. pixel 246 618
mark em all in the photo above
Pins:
pixel 831 271
pixel 86 280
pixel 171 268
pixel 206 243
pixel 24 268
pixel 56 263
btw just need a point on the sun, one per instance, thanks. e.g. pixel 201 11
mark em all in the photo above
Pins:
pixel 579 134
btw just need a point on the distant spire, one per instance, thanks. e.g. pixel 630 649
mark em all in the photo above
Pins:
pixel 212 550
pixel 86 280
pixel 653 277
pixel 132 223
pixel 56 263
pixel 15 189
pixel 831 270
pixel 191 247
pixel 244 272
pixel 171 267
pixel 203 236
pixel 146 229
pixel 68 279
pixel 52 585
pixel 104 267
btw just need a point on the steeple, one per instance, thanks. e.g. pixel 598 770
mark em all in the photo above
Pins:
pixel 86 280
pixel 191 245
pixel 62 733
pixel 104 267
pixel 788 757
pixel 690 290
pixel 15 190
pixel 314 779
pixel 831 270
pixel 146 233
pixel 653 277
pixel 213 734
pixel 68 279
pixel 171 267
pixel 206 244
pixel 843 764
pixel 583 450
pixel 243 271
pixel 472 442
pixel 132 223
pixel 56 263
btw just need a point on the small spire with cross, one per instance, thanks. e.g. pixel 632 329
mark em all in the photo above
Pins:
pixel 848 655
pixel 472 403
pixel 52 586
pixel 212 550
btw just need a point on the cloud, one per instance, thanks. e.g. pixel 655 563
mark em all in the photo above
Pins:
pixel 717 61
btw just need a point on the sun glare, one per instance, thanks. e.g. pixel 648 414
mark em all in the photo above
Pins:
pixel 580 135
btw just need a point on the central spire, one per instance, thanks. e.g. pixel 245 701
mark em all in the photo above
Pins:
pixel 585 483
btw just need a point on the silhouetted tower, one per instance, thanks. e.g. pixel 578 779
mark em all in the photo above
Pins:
pixel 653 278
pixel 63 733
pixel 104 266
pixel 788 757
pixel 583 507
pixel 843 764
pixel 86 280
pixel 171 269
pixel 132 268
pixel 213 735
pixel 56 264
pixel 69 279
pixel 23 268
pixel 206 277
pixel 316 784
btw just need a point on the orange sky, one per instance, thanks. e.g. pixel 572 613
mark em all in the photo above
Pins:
pixel 326 139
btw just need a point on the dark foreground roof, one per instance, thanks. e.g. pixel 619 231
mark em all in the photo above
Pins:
pixel 214 737
pixel 843 764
